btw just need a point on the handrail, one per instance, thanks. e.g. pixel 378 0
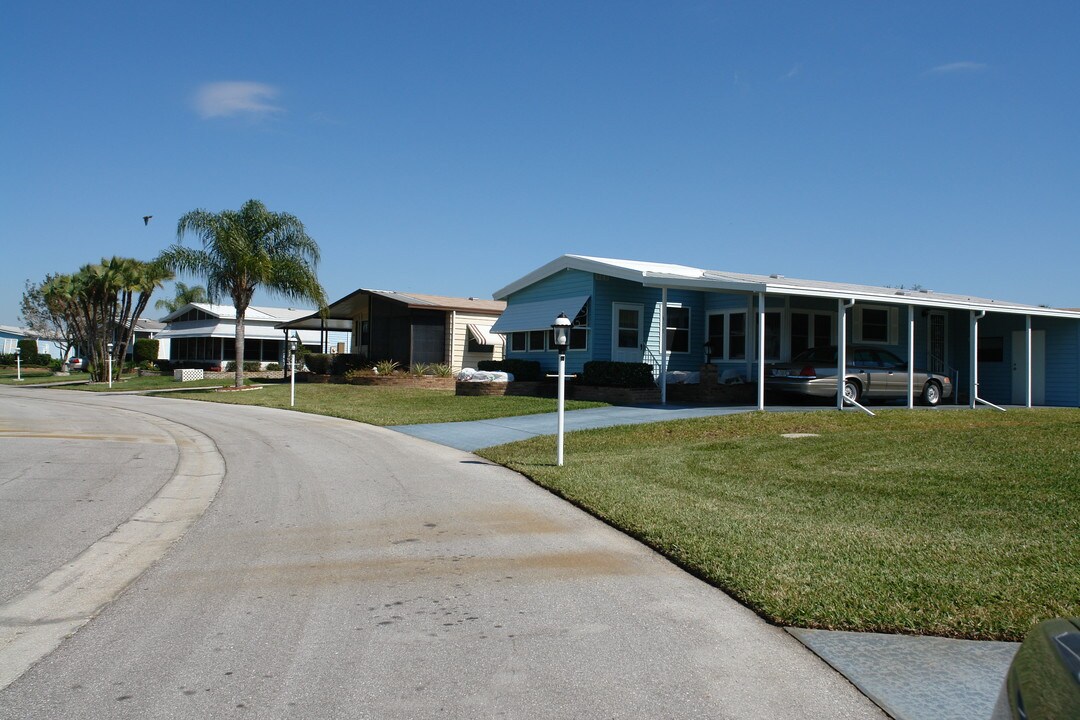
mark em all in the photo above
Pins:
pixel 647 352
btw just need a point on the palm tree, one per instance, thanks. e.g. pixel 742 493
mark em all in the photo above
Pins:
pixel 244 250
pixel 185 295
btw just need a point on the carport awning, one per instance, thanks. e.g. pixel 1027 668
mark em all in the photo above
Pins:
pixel 484 336
pixel 539 315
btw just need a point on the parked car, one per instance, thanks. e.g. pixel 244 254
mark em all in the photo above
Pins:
pixel 76 363
pixel 1044 678
pixel 872 373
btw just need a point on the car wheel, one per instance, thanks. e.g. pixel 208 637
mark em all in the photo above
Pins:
pixel 852 391
pixel 931 394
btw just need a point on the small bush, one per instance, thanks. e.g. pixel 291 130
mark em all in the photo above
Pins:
pixel 441 370
pixel 387 367
pixel 318 363
pixel 617 374
pixel 523 370
pixel 356 372
pixel 146 350
pixel 419 369
pixel 56 364
pixel 273 367
pixel 147 365
pixel 249 366
pixel 342 363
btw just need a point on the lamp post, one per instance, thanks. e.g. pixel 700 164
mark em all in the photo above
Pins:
pixel 292 368
pixel 18 363
pixel 561 333
pixel 110 349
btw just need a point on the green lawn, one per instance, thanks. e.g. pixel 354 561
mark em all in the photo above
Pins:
pixel 387 405
pixel 149 382
pixel 954 523
pixel 35 375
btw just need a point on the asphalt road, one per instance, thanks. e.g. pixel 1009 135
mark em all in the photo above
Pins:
pixel 347 571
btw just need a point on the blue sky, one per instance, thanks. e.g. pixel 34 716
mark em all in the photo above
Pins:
pixel 452 147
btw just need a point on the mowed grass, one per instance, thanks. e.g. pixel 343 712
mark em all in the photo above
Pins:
pixel 954 523
pixel 387 405
pixel 149 382
pixel 35 375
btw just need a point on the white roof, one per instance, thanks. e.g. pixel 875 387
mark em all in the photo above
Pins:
pixel 685 277
pixel 228 330
pixel 255 313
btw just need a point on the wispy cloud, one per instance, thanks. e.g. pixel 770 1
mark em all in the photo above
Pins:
pixel 965 66
pixel 795 71
pixel 225 99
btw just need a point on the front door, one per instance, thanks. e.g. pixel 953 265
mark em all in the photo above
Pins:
pixel 1019 367
pixel 627 337
pixel 937 348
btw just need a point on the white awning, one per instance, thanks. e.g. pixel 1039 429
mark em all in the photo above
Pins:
pixel 537 315
pixel 484 336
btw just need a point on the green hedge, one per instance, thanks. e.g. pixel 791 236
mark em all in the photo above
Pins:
pixel 523 370
pixel 249 366
pixel 146 350
pixel 318 363
pixel 341 363
pixel 617 374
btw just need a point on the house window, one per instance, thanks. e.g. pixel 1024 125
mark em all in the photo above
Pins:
pixel 678 329
pixel 810 330
pixel 365 333
pixel 475 347
pixel 992 349
pixel 727 335
pixel 538 340
pixel 773 322
pixel 875 324
pixel 579 329
pixel 518 342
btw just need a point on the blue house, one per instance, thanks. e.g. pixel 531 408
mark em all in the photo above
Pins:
pixel 996 352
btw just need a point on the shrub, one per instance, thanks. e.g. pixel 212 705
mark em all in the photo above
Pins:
pixel 387 367
pixel 318 363
pixel 440 370
pixel 147 365
pixel 146 350
pixel 28 352
pixel 419 369
pixel 249 366
pixel 56 364
pixel 342 363
pixel 617 374
pixel 273 367
pixel 356 372
pixel 523 370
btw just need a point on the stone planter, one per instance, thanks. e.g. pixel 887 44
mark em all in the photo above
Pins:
pixel 616 395
pixel 483 389
pixel 427 382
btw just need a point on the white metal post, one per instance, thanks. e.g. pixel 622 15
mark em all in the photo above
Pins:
pixel 562 405
pixel 110 368
pixel 761 352
pixel 292 375
pixel 18 365
pixel 663 346
pixel 910 357
pixel 974 364
pixel 841 351
pixel 1027 349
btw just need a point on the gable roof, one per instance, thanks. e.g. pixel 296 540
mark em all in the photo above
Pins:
pixel 691 278
pixel 339 314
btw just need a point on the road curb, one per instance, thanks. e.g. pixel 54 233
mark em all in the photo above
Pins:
pixel 34 623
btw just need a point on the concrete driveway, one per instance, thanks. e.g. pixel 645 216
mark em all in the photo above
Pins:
pixel 355 572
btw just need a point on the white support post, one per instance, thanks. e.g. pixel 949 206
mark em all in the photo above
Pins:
pixel 761 352
pixel 1027 350
pixel 974 360
pixel 663 346
pixel 292 377
pixel 841 351
pixel 911 357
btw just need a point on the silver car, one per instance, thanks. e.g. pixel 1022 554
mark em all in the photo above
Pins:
pixel 872 374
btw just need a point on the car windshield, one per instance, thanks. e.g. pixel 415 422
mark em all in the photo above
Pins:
pixel 824 354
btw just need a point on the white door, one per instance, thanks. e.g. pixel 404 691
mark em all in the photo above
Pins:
pixel 1019 367
pixel 627 332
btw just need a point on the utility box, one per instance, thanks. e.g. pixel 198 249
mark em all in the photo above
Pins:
pixel 187 375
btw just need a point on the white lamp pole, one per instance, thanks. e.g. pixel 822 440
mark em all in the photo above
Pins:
pixel 18 364
pixel 292 369
pixel 110 349
pixel 561 333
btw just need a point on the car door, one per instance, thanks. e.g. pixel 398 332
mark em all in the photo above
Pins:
pixel 894 373
pixel 865 366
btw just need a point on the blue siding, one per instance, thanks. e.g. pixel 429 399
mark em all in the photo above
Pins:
pixel 1062 360
pixel 567 283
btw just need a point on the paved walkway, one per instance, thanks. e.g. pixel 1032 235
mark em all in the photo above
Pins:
pixel 911 678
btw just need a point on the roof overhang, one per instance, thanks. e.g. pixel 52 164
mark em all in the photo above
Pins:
pixel 484 335
pixel 538 315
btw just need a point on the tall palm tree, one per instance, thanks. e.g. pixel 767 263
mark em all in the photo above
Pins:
pixel 185 295
pixel 246 249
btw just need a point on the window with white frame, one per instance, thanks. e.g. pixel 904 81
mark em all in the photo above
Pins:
pixel 9 345
pixel 810 329
pixel 875 324
pixel 518 342
pixel 727 334
pixel 678 329
pixel 538 340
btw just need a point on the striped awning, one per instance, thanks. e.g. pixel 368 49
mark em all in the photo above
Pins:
pixel 484 336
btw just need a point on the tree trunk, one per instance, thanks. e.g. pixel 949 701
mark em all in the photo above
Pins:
pixel 241 313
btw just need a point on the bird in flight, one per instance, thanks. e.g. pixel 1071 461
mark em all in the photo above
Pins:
pixel 146 219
